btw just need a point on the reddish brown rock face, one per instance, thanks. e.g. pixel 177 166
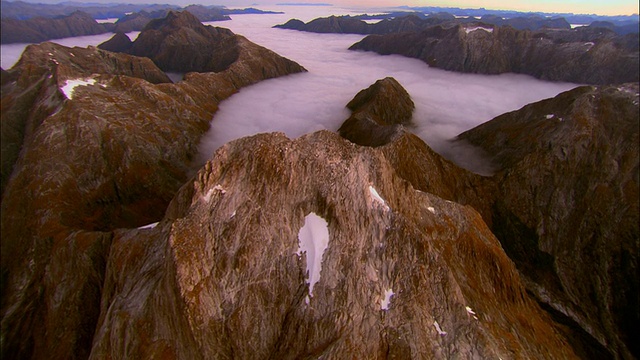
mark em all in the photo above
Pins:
pixel 79 163
pixel 411 269
pixel 232 283
pixel 181 43
pixel 580 56
pixel 567 205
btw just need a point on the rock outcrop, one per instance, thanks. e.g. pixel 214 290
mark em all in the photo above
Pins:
pixel 567 206
pixel 404 273
pixel 181 43
pixel 120 42
pixel 41 29
pixel 93 141
pixel 378 114
pixel 597 58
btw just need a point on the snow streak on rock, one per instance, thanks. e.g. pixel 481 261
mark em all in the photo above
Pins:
pixel 313 240
pixel 70 86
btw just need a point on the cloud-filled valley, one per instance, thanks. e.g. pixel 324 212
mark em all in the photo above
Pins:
pixel 447 103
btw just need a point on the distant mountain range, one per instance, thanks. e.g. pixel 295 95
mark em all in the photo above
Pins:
pixel 28 23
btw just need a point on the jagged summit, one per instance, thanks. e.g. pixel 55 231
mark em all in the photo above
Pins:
pixel 378 113
pixel 179 42
pixel 90 144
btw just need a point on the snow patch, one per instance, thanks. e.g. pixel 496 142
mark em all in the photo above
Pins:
pixel 438 329
pixel 433 210
pixel 471 29
pixel 207 196
pixel 149 226
pixel 549 116
pixel 313 239
pixel 218 188
pixel 70 85
pixel 471 312
pixel 384 303
pixel 377 198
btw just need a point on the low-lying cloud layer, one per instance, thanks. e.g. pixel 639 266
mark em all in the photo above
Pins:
pixel 10 53
pixel 447 103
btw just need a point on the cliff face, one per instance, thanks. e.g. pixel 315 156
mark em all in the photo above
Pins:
pixel 95 141
pixel 567 210
pixel 581 56
pixel 395 280
pixel 138 20
pixel 41 29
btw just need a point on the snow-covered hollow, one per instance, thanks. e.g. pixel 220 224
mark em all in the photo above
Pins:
pixel 313 239
pixel 70 86
pixel 384 303
pixel 468 30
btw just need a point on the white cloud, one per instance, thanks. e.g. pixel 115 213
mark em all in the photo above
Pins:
pixel 447 103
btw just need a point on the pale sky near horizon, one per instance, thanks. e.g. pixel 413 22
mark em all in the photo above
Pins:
pixel 599 7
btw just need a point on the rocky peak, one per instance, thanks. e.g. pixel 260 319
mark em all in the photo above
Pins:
pixel 40 29
pixel 394 276
pixel 551 54
pixel 120 42
pixel 92 141
pixel 174 20
pixel 378 113
pixel 179 42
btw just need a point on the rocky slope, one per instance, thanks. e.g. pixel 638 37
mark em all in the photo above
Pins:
pixel 21 10
pixel 181 43
pixel 39 29
pixel 579 55
pixel 138 20
pixel 416 263
pixel 567 210
pixel 93 141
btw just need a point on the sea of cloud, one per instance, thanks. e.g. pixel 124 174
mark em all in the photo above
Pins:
pixel 447 103
pixel 10 53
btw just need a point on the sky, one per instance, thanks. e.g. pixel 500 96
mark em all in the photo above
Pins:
pixel 600 7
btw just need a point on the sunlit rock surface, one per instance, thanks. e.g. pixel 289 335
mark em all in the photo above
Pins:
pixel 567 206
pixel 92 141
pixel 221 276
pixel 378 113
